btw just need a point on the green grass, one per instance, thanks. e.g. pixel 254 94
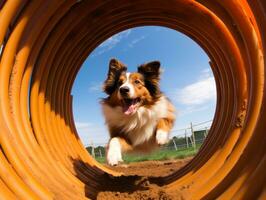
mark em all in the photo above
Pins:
pixel 157 155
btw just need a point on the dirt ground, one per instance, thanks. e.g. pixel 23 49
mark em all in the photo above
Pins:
pixel 150 191
pixel 151 168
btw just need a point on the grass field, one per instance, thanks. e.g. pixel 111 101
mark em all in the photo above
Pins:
pixel 163 154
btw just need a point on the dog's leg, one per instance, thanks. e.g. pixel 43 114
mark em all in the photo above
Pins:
pixel 115 148
pixel 114 151
pixel 162 132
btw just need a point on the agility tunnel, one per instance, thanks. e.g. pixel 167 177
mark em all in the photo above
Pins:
pixel 43 45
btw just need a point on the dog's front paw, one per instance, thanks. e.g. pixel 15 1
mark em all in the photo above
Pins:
pixel 161 137
pixel 114 155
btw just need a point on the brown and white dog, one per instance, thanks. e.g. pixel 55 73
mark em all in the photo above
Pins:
pixel 138 115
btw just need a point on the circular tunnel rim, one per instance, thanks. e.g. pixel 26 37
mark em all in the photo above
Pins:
pixel 43 61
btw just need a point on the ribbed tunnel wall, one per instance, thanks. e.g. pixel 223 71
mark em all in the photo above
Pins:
pixel 44 43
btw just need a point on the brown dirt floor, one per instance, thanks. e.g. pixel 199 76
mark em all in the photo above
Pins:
pixel 144 189
pixel 151 168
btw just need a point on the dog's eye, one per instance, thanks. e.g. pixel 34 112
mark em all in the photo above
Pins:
pixel 136 81
pixel 120 82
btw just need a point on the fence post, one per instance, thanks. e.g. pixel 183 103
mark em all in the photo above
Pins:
pixel 92 149
pixel 100 153
pixel 193 135
pixel 186 138
pixel 174 143
pixel 206 132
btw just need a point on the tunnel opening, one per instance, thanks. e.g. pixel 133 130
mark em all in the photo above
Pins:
pixel 188 83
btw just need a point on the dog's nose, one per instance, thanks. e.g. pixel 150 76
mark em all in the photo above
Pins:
pixel 124 90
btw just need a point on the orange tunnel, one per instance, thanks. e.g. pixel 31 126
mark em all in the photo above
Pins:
pixel 43 45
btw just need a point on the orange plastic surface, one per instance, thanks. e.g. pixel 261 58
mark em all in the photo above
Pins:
pixel 44 43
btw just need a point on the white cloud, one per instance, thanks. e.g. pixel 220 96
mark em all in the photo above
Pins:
pixel 92 133
pixel 192 109
pixel 199 92
pixel 82 125
pixel 206 73
pixel 135 41
pixel 95 87
pixel 111 42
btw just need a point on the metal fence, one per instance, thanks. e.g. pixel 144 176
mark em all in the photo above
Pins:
pixel 191 136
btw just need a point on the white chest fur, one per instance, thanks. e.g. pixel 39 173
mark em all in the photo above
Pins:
pixel 140 126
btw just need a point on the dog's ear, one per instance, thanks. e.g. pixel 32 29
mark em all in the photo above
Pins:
pixel 115 69
pixel 150 69
pixel 151 72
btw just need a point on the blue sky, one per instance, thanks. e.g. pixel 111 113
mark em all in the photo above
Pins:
pixel 187 78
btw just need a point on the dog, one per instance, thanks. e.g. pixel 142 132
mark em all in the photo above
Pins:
pixel 138 115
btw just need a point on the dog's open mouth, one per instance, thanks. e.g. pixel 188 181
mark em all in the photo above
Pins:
pixel 130 106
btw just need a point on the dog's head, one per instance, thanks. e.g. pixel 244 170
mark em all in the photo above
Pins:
pixel 132 90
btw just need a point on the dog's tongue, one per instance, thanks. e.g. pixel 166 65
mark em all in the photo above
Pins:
pixel 130 106
pixel 129 109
